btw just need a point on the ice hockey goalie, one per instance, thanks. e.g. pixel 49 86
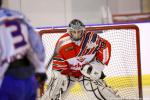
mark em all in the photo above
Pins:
pixel 81 56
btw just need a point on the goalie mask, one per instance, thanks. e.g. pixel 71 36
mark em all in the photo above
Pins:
pixel 76 29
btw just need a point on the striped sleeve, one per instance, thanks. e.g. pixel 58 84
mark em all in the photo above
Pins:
pixel 59 62
pixel 104 52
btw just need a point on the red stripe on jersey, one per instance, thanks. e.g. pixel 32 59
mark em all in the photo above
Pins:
pixel 89 40
pixel 91 50
pixel 82 41
pixel 59 62
pixel 59 68
pixel 97 43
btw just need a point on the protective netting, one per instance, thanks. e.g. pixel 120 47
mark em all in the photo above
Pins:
pixel 123 72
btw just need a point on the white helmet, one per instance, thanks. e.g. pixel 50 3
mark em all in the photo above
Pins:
pixel 76 29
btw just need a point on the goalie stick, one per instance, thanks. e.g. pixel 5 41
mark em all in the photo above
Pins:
pixel 47 66
pixel 50 61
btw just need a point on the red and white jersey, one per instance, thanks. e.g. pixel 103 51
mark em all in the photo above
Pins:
pixel 70 56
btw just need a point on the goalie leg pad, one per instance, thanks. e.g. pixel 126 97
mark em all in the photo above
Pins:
pixel 57 85
pixel 99 89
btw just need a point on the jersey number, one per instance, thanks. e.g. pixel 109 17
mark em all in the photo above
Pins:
pixel 16 32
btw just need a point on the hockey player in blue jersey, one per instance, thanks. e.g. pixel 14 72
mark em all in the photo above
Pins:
pixel 21 57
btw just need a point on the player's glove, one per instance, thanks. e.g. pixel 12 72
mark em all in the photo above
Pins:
pixel 41 78
pixel 93 70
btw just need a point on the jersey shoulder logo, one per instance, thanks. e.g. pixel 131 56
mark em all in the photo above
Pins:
pixel 69 48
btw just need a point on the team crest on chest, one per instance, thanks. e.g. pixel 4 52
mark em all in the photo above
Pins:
pixel 81 58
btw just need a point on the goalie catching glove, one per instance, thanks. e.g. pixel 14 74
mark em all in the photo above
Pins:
pixel 96 84
pixel 93 70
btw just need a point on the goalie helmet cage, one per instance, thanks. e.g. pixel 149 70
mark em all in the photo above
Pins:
pixel 123 72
